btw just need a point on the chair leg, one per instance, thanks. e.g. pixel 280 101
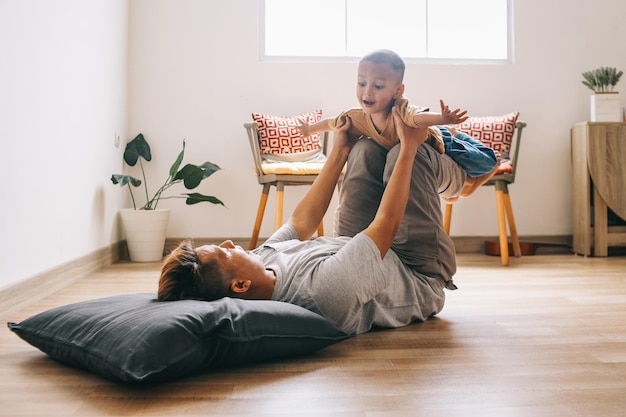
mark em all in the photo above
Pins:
pixel 280 199
pixel 447 218
pixel 504 242
pixel 320 229
pixel 259 216
pixel 517 251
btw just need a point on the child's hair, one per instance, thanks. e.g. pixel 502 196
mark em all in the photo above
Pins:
pixel 385 56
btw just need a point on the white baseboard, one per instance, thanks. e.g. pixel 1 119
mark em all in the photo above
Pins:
pixel 40 286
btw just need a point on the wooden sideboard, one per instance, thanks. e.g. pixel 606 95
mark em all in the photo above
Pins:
pixel 599 181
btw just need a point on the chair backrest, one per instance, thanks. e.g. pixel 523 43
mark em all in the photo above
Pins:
pixel 519 127
pixel 252 129
pixel 253 139
pixel 502 133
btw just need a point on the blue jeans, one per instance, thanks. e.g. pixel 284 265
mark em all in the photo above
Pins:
pixel 473 156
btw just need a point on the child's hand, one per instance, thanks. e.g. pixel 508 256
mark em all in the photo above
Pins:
pixel 303 128
pixel 452 117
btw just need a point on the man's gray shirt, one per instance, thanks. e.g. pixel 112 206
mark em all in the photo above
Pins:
pixel 346 281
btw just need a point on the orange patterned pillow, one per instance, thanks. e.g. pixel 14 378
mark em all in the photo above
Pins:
pixel 494 131
pixel 279 134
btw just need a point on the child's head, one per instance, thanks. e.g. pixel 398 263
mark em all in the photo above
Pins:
pixel 385 56
pixel 379 81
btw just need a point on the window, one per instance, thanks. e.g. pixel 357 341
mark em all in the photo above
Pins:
pixel 428 30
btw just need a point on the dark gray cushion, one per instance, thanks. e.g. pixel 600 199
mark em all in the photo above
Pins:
pixel 136 338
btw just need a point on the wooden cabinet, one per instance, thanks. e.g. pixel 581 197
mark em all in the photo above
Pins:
pixel 599 180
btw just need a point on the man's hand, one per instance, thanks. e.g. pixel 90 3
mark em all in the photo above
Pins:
pixel 410 138
pixel 452 117
pixel 343 141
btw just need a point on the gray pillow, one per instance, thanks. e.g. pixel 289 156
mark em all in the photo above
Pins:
pixel 136 338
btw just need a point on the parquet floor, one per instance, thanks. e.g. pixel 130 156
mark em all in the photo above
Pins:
pixel 543 337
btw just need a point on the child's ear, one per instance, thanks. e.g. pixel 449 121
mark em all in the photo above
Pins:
pixel 399 91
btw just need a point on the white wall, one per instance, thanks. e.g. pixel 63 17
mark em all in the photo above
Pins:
pixel 63 96
pixel 194 73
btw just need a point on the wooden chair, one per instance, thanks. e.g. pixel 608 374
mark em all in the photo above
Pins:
pixel 501 181
pixel 279 174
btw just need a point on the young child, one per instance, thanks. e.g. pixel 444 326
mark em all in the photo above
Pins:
pixel 379 88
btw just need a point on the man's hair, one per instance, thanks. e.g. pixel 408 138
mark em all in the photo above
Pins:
pixel 183 277
pixel 386 56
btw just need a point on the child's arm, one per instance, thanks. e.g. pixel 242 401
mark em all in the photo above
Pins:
pixel 308 129
pixel 446 117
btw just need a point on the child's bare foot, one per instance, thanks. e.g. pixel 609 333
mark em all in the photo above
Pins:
pixel 472 183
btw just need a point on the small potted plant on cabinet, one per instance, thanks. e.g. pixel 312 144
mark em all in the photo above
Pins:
pixel 605 101
pixel 145 226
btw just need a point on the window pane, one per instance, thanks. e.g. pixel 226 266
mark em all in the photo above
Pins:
pixel 438 29
pixel 474 29
pixel 305 28
pixel 399 25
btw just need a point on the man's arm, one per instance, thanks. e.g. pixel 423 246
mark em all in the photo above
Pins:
pixel 311 209
pixel 390 213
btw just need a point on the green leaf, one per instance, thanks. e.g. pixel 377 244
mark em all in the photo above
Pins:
pixel 192 176
pixel 136 148
pixel 177 162
pixel 195 198
pixel 122 180
pixel 209 169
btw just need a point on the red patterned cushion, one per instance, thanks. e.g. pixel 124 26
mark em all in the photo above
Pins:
pixel 494 131
pixel 280 135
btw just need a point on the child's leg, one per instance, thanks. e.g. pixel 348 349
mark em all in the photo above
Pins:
pixel 472 155
pixel 473 183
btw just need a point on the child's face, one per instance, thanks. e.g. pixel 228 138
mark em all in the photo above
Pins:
pixel 377 85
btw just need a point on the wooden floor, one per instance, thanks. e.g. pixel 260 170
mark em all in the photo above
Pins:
pixel 545 336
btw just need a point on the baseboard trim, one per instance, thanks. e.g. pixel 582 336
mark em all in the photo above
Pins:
pixel 463 244
pixel 476 244
pixel 38 287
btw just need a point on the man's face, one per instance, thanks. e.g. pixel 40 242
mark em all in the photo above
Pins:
pixel 233 259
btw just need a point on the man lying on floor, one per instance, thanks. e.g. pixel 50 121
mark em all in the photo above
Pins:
pixel 387 268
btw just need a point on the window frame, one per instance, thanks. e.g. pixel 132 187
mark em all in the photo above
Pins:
pixel 409 60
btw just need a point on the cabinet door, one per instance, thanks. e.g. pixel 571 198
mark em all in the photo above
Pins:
pixel 606 160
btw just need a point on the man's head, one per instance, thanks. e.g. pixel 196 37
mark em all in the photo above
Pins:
pixel 379 81
pixel 211 272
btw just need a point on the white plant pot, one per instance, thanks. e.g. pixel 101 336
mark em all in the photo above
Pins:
pixel 145 233
pixel 605 107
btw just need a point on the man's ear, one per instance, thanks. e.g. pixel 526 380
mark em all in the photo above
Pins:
pixel 240 286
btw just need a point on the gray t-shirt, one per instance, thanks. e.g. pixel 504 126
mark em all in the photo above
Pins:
pixel 345 280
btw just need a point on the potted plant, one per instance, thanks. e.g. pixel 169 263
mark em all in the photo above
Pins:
pixel 145 226
pixel 605 101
